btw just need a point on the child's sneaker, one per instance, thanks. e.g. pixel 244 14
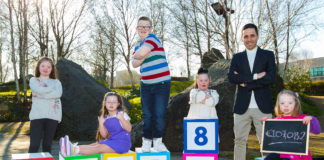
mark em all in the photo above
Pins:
pixel 146 145
pixel 71 149
pixel 62 146
pixel 158 145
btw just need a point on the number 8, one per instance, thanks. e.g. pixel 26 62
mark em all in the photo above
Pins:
pixel 201 135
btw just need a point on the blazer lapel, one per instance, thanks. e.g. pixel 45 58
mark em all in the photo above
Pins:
pixel 246 61
pixel 257 59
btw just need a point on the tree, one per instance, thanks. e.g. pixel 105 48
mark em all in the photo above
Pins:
pixel 13 55
pixel 64 25
pixel 105 53
pixel 181 35
pixel 125 20
pixel 40 31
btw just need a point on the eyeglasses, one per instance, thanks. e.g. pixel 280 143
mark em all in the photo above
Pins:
pixel 111 102
pixel 144 27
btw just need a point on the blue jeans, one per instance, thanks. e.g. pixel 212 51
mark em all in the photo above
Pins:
pixel 154 99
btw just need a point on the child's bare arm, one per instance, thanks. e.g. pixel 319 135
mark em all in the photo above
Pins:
pixel 125 123
pixel 103 131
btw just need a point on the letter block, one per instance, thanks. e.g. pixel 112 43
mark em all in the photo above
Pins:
pixel 200 156
pixel 200 135
pixel 116 156
pixel 153 156
pixel 32 156
pixel 80 157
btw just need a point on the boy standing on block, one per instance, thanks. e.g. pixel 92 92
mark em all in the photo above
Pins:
pixel 149 55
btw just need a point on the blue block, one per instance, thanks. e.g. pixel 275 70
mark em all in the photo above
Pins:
pixel 153 156
pixel 200 135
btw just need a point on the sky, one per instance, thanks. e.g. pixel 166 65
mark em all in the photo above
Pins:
pixel 315 43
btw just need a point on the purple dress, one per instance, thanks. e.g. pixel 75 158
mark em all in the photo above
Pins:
pixel 119 139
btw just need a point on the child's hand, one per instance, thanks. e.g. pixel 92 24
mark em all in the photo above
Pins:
pixel 204 100
pixel 307 119
pixel 120 115
pixel 101 119
pixel 34 95
pixel 264 119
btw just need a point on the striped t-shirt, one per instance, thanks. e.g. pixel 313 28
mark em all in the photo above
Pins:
pixel 154 68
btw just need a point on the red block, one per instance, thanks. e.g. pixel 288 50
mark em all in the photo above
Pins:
pixel 32 156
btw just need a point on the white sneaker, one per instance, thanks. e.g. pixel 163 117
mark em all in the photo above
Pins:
pixel 71 148
pixel 158 145
pixel 62 146
pixel 146 144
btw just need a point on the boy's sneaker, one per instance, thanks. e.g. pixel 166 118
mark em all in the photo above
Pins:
pixel 146 145
pixel 62 146
pixel 158 145
pixel 71 149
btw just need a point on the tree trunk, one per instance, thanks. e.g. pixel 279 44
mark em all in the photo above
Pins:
pixel 25 49
pixel 288 31
pixel 13 56
pixel 1 70
pixel 274 33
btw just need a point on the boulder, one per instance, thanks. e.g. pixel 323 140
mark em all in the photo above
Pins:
pixel 178 109
pixel 81 101
pixel 209 58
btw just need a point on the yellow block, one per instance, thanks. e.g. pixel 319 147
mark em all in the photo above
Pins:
pixel 116 156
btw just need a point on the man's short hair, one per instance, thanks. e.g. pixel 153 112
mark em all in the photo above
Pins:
pixel 144 18
pixel 250 25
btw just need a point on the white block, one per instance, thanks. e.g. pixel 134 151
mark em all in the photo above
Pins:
pixel 32 156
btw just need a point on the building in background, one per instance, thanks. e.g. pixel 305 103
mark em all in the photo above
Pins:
pixel 315 66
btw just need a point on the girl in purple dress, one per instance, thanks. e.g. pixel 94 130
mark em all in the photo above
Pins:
pixel 113 133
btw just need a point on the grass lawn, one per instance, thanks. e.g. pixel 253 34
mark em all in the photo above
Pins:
pixel 133 96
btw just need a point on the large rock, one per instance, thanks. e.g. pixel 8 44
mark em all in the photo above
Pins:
pixel 81 101
pixel 178 109
pixel 209 58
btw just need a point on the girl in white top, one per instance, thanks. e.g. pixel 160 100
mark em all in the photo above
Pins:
pixel 46 110
pixel 202 100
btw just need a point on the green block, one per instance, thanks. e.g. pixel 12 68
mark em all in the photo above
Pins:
pixel 81 157
pixel 259 158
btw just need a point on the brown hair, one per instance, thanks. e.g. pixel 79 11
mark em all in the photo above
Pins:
pixel 297 109
pixel 53 74
pixel 104 112
pixel 144 18
pixel 200 71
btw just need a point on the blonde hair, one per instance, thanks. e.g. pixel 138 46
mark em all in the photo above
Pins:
pixel 104 111
pixel 297 108
pixel 53 74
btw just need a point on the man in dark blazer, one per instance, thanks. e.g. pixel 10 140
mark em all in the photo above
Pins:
pixel 253 70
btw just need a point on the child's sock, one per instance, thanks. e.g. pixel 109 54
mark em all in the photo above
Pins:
pixel 75 149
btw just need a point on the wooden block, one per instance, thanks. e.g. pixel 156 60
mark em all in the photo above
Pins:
pixel 200 135
pixel 259 158
pixel 153 156
pixel 80 157
pixel 116 156
pixel 200 156
pixel 32 156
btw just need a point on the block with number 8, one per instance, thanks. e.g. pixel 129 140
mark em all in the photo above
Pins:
pixel 200 135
